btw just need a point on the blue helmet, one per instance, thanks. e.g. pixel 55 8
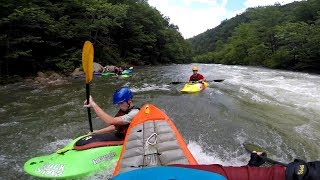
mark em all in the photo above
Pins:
pixel 121 95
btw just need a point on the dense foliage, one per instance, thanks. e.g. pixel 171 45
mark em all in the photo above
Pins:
pixel 286 37
pixel 48 35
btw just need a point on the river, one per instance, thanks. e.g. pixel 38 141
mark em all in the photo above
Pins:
pixel 278 110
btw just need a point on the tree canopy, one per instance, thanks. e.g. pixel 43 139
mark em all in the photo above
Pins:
pixel 48 35
pixel 285 37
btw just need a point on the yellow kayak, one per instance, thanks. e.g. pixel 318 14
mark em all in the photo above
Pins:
pixel 193 87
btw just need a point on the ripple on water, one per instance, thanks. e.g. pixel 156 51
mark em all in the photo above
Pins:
pixel 106 174
pixel 60 106
pixel 53 146
pixel 19 104
pixel 253 96
pixel 36 91
pixel 150 87
pixel 206 157
pixel 8 124
pixel 307 131
pixel 3 160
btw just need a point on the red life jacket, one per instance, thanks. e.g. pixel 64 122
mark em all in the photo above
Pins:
pixel 196 77
pixel 122 129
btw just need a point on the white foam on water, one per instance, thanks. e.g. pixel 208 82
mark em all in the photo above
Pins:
pixel 35 91
pixel 2 110
pixel 3 160
pixel 241 137
pixel 12 162
pixel 307 131
pixel 150 87
pixel 252 95
pixel 216 91
pixel 18 104
pixel 126 84
pixel 59 144
pixel 104 174
pixel 60 106
pixel 201 156
pixel 8 124
pixel 57 91
pixel 298 89
pixel 206 157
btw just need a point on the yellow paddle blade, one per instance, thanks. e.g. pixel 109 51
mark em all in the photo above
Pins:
pixel 87 60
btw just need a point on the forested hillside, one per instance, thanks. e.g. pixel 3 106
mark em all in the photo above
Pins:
pixel 39 35
pixel 48 35
pixel 285 37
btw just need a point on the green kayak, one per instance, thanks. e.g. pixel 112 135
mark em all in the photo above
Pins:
pixel 108 74
pixel 125 75
pixel 69 163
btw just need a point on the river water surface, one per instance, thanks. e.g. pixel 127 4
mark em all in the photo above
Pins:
pixel 278 110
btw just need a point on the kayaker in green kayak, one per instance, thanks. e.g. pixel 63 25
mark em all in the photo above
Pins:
pixel 196 76
pixel 117 126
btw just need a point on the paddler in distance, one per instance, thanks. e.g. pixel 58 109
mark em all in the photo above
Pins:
pixel 196 76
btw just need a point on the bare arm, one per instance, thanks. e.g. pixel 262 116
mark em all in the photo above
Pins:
pixel 203 79
pixel 103 115
pixel 104 130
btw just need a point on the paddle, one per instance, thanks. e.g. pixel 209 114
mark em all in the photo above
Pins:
pixel 87 63
pixel 252 147
pixel 216 80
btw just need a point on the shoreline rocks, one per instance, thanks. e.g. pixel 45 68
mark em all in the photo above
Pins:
pixel 48 78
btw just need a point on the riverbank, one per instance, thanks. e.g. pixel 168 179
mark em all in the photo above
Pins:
pixel 50 77
pixel 4 80
pixel 42 78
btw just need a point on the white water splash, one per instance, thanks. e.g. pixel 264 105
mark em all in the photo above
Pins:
pixel 298 89
pixel 19 104
pixel 252 95
pixel 61 106
pixel 104 174
pixel 150 87
pixel 9 124
pixel 307 131
pixel 3 160
pixel 53 146
pixel 205 157
pixel 35 91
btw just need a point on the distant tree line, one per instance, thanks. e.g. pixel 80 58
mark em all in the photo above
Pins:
pixel 39 35
pixel 284 37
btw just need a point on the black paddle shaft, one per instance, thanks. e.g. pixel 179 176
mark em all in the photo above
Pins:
pixel 89 112
pixel 216 80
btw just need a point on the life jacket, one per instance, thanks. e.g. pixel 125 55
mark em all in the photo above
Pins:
pixel 196 78
pixel 122 129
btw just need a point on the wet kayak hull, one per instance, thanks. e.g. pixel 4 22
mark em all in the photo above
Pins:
pixel 194 87
pixel 167 172
pixel 70 163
